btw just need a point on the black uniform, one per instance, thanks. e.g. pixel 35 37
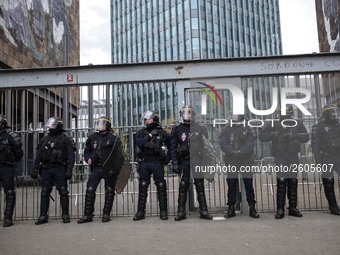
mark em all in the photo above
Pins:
pixel 181 137
pixel 10 154
pixel 238 142
pixel 55 158
pixel 98 148
pixel 152 142
pixel 285 146
pixel 326 149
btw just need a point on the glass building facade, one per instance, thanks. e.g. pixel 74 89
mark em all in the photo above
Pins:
pixel 164 30
pixel 176 30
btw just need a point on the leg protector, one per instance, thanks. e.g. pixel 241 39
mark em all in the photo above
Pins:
pixel 163 200
pixel 143 194
pixel 280 197
pixel 44 205
pixel 292 196
pixel 328 184
pixel 182 199
pixel 64 202
pixel 252 210
pixel 109 198
pixel 204 214
pixel 10 204
pixel 90 197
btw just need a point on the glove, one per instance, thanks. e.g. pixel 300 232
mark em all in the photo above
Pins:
pixel 176 169
pixel 235 153
pixel 68 175
pixel 34 173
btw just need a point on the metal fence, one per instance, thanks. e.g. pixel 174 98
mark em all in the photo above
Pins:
pixel 80 94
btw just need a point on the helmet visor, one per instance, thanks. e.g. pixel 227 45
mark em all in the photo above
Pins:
pixel 148 115
pixel 101 125
pixel 187 115
pixel 52 123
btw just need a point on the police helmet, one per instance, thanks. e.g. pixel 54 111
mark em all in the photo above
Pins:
pixel 188 114
pixel 236 117
pixel 54 124
pixel 330 112
pixel 3 122
pixel 150 115
pixel 103 124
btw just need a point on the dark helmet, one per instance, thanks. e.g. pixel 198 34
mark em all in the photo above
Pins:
pixel 330 112
pixel 103 124
pixel 54 124
pixel 150 115
pixel 289 112
pixel 236 117
pixel 3 122
pixel 187 113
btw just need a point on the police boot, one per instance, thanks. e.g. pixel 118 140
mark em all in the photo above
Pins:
pixel 182 199
pixel 328 184
pixel 252 211
pixel 202 201
pixel 292 196
pixel 231 212
pixel 109 197
pixel 64 202
pixel 90 197
pixel 163 200
pixel 143 194
pixel 280 198
pixel 10 203
pixel 44 205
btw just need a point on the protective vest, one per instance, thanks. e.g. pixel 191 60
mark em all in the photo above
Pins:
pixel 154 149
pixel 285 140
pixel 53 149
pixel 6 154
pixel 330 138
pixel 101 147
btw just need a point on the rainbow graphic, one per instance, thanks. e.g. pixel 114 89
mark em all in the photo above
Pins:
pixel 211 94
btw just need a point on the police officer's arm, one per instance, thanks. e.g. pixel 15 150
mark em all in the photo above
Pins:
pixel 316 135
pixel 267 133
pixel 142 138
pixel 88 151
pixel 225 143
pixel 302 134
pixel 248 148
pixel 36 164
pixel 173 144
pixel 17 147
pixel 71 155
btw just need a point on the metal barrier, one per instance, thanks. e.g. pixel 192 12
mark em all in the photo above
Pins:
pixel 29 97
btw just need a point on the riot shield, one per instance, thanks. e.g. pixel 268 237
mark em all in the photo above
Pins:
pixel 117 163
pixel 124 174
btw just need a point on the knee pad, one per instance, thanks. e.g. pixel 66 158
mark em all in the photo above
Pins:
pixel 45 191
pixel 63 191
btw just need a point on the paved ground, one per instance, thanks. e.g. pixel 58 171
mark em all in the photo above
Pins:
pixel 315 233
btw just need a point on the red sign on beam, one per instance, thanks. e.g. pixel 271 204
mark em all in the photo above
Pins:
pixel 70 78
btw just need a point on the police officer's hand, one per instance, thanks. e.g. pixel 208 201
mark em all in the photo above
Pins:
pixel 175 168
pixel 68 175
pixel 34 173
pixel 89 162
pixel 154 132
pixel 236 153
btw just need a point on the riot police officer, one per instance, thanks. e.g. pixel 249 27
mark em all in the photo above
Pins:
pixel 152 142
pixel 10 154
pixel 181 136
pixel 286 137
pixel 326 149
pixel 54 161
pixel 99 146
pixel 237 141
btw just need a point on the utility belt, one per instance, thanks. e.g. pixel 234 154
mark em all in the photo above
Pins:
pixel 46 165
pixel 150 158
